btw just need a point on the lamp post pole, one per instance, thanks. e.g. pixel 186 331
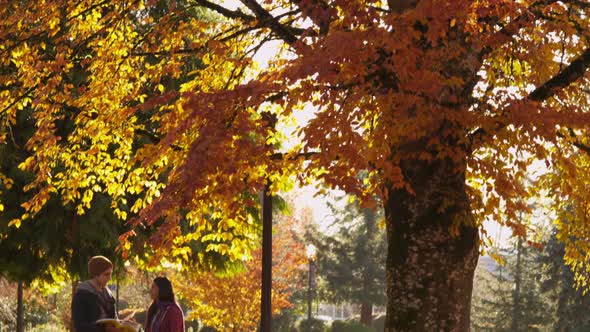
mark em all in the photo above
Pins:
pixel 266 302
pixel 309 294
pixel 311 251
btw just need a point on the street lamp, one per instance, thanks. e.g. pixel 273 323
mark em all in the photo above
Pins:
pixel 310 251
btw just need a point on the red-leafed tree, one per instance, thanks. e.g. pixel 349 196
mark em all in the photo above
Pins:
pixel 445 104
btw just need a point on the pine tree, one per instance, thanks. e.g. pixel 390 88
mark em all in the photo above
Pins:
pixel 491 302
pixel 508 297
pixel 529 307
pixel 351 262
pixel 57 235
pixel 571 309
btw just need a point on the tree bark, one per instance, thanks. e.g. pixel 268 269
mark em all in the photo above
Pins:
pixel 19 308
pixel 117 292
pixel 430 270
pixel 71 322
pixel 367 314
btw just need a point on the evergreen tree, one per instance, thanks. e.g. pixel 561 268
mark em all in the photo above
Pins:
pixel 351 262
pixel 508 297
pixel 491 301
pixel 529 306
pixel 28 249
pixel 56 235
pixel 571 309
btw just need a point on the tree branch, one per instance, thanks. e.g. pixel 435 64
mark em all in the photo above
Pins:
pixel 270 22
pixel 305 155
pixel 235 14
pixel 190 51
pixel 507 32
pixel 575 70
pixel 18 99
pixel 568 75
pixel 154 138
pixel 287 33
pixel 576 143
pixel 88 10
pixel 319 12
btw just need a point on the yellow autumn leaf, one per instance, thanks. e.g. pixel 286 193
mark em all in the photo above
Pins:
pixel 15 223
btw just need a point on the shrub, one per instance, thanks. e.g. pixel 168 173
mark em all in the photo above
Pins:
pixel 49 327
pixel 349 326
pixel 379 323
pixel 312 325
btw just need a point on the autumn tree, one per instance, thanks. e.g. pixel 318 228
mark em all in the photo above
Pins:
pixel 571 204
pixel 443 103
pixel 230 301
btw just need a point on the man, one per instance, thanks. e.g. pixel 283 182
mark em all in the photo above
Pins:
pixel 93 300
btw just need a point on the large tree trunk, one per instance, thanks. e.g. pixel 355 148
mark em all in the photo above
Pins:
pixel 429 270
pixel 19 308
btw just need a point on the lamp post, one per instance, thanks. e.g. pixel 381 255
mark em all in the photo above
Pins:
pixel 310 251
pixel 265 300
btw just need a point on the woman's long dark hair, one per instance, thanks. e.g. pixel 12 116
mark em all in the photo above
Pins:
pixel 165 294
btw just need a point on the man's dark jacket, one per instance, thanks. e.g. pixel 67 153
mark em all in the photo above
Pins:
pixel 89 305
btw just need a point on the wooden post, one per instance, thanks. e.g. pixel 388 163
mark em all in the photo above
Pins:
pixel 19 308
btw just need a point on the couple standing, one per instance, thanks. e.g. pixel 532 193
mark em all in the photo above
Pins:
pixel 94 301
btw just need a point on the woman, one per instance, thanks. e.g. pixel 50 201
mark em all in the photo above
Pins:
pixel 164 315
